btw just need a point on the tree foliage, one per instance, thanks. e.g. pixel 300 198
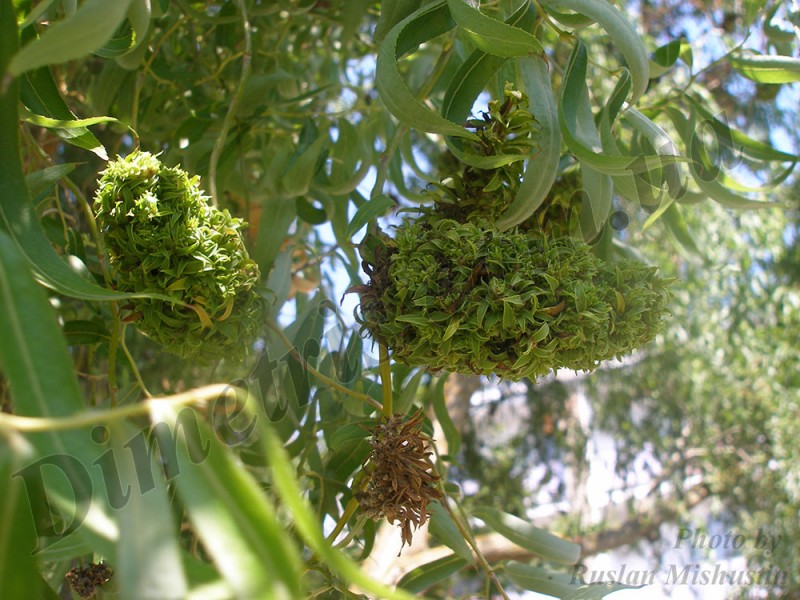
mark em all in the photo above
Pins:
pixel 263 475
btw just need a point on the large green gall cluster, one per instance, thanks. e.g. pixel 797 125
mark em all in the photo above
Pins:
pixel 455 297
pixel 451 292
pixel 163 238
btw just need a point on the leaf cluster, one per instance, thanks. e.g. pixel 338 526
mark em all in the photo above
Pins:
pixel 481 195
pixel 453 296
pixel 161 235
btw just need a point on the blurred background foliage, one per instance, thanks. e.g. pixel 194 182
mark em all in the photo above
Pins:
pixel 274 104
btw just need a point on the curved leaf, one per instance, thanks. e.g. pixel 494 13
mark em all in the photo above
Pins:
pixel 579 130
pixel 763 68
pixel 525 535
pixel 230 513
pixel 625 37
pixel 420 579
pixel 86 30
pixel 542 167
pixel 423 24
pixel 492 36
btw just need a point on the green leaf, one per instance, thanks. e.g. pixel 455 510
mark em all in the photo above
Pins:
pixel 537 579
pixel 34 358
pixel 420 579
pixel 766 68
pixel 735 140
pixel 680 234
pixel 230 513
pixel 408 392
pixel 357 430
pixel 148 557
pixel 598 190
pixel 277 215
pixel 18 569
pixel 41 181
pixel 706 174
pixel 391 14
pixel 451 434
pixel 751 10
pixel 567 587
pixel 297 179
pixel 622 32
pixel 444 529
pixel 66 124
pixel 542 167
pixel 492 36
pixel 579 130
pixel 86 30
pixel 40 94
pixel 522 533
pixel 370 210
pixel 664 57
pixel 81 331
pixel 422 25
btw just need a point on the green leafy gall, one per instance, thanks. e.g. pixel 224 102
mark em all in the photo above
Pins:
pixel 453 296
pixel 162 237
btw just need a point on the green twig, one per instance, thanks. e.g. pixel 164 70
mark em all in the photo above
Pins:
pixel 219 144
pixel 98 417
pixel 349 511
pixel 132 363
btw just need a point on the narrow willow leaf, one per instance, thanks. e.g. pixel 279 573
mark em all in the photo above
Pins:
pixel 420 579
pixel 734 139
pixel 370 210
pixel 391 14
pixel 579 131
pixel 598 190
pixel 622 32
pixel 540 173
pixel 66 124
pixel 451 434
pixel 307 524
pixel 422 25
pixel 88 29
pixel 598 591
pixel 492 36
pixel 41 96
pixel 228 508
pixel 566 587
pixel 763 68
pixel 148 557
pixel 664 57
pixel 681 237
pixel 297 179
pixel 357 430
pixel 444 529
pixel 751 10
pixel 537 579
pixel 18 569
pixel 277 215
pixel 706 174
pixel 29 340
pixel 408 393
pixel 41 181
pixel 663 145
pixel 522 533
